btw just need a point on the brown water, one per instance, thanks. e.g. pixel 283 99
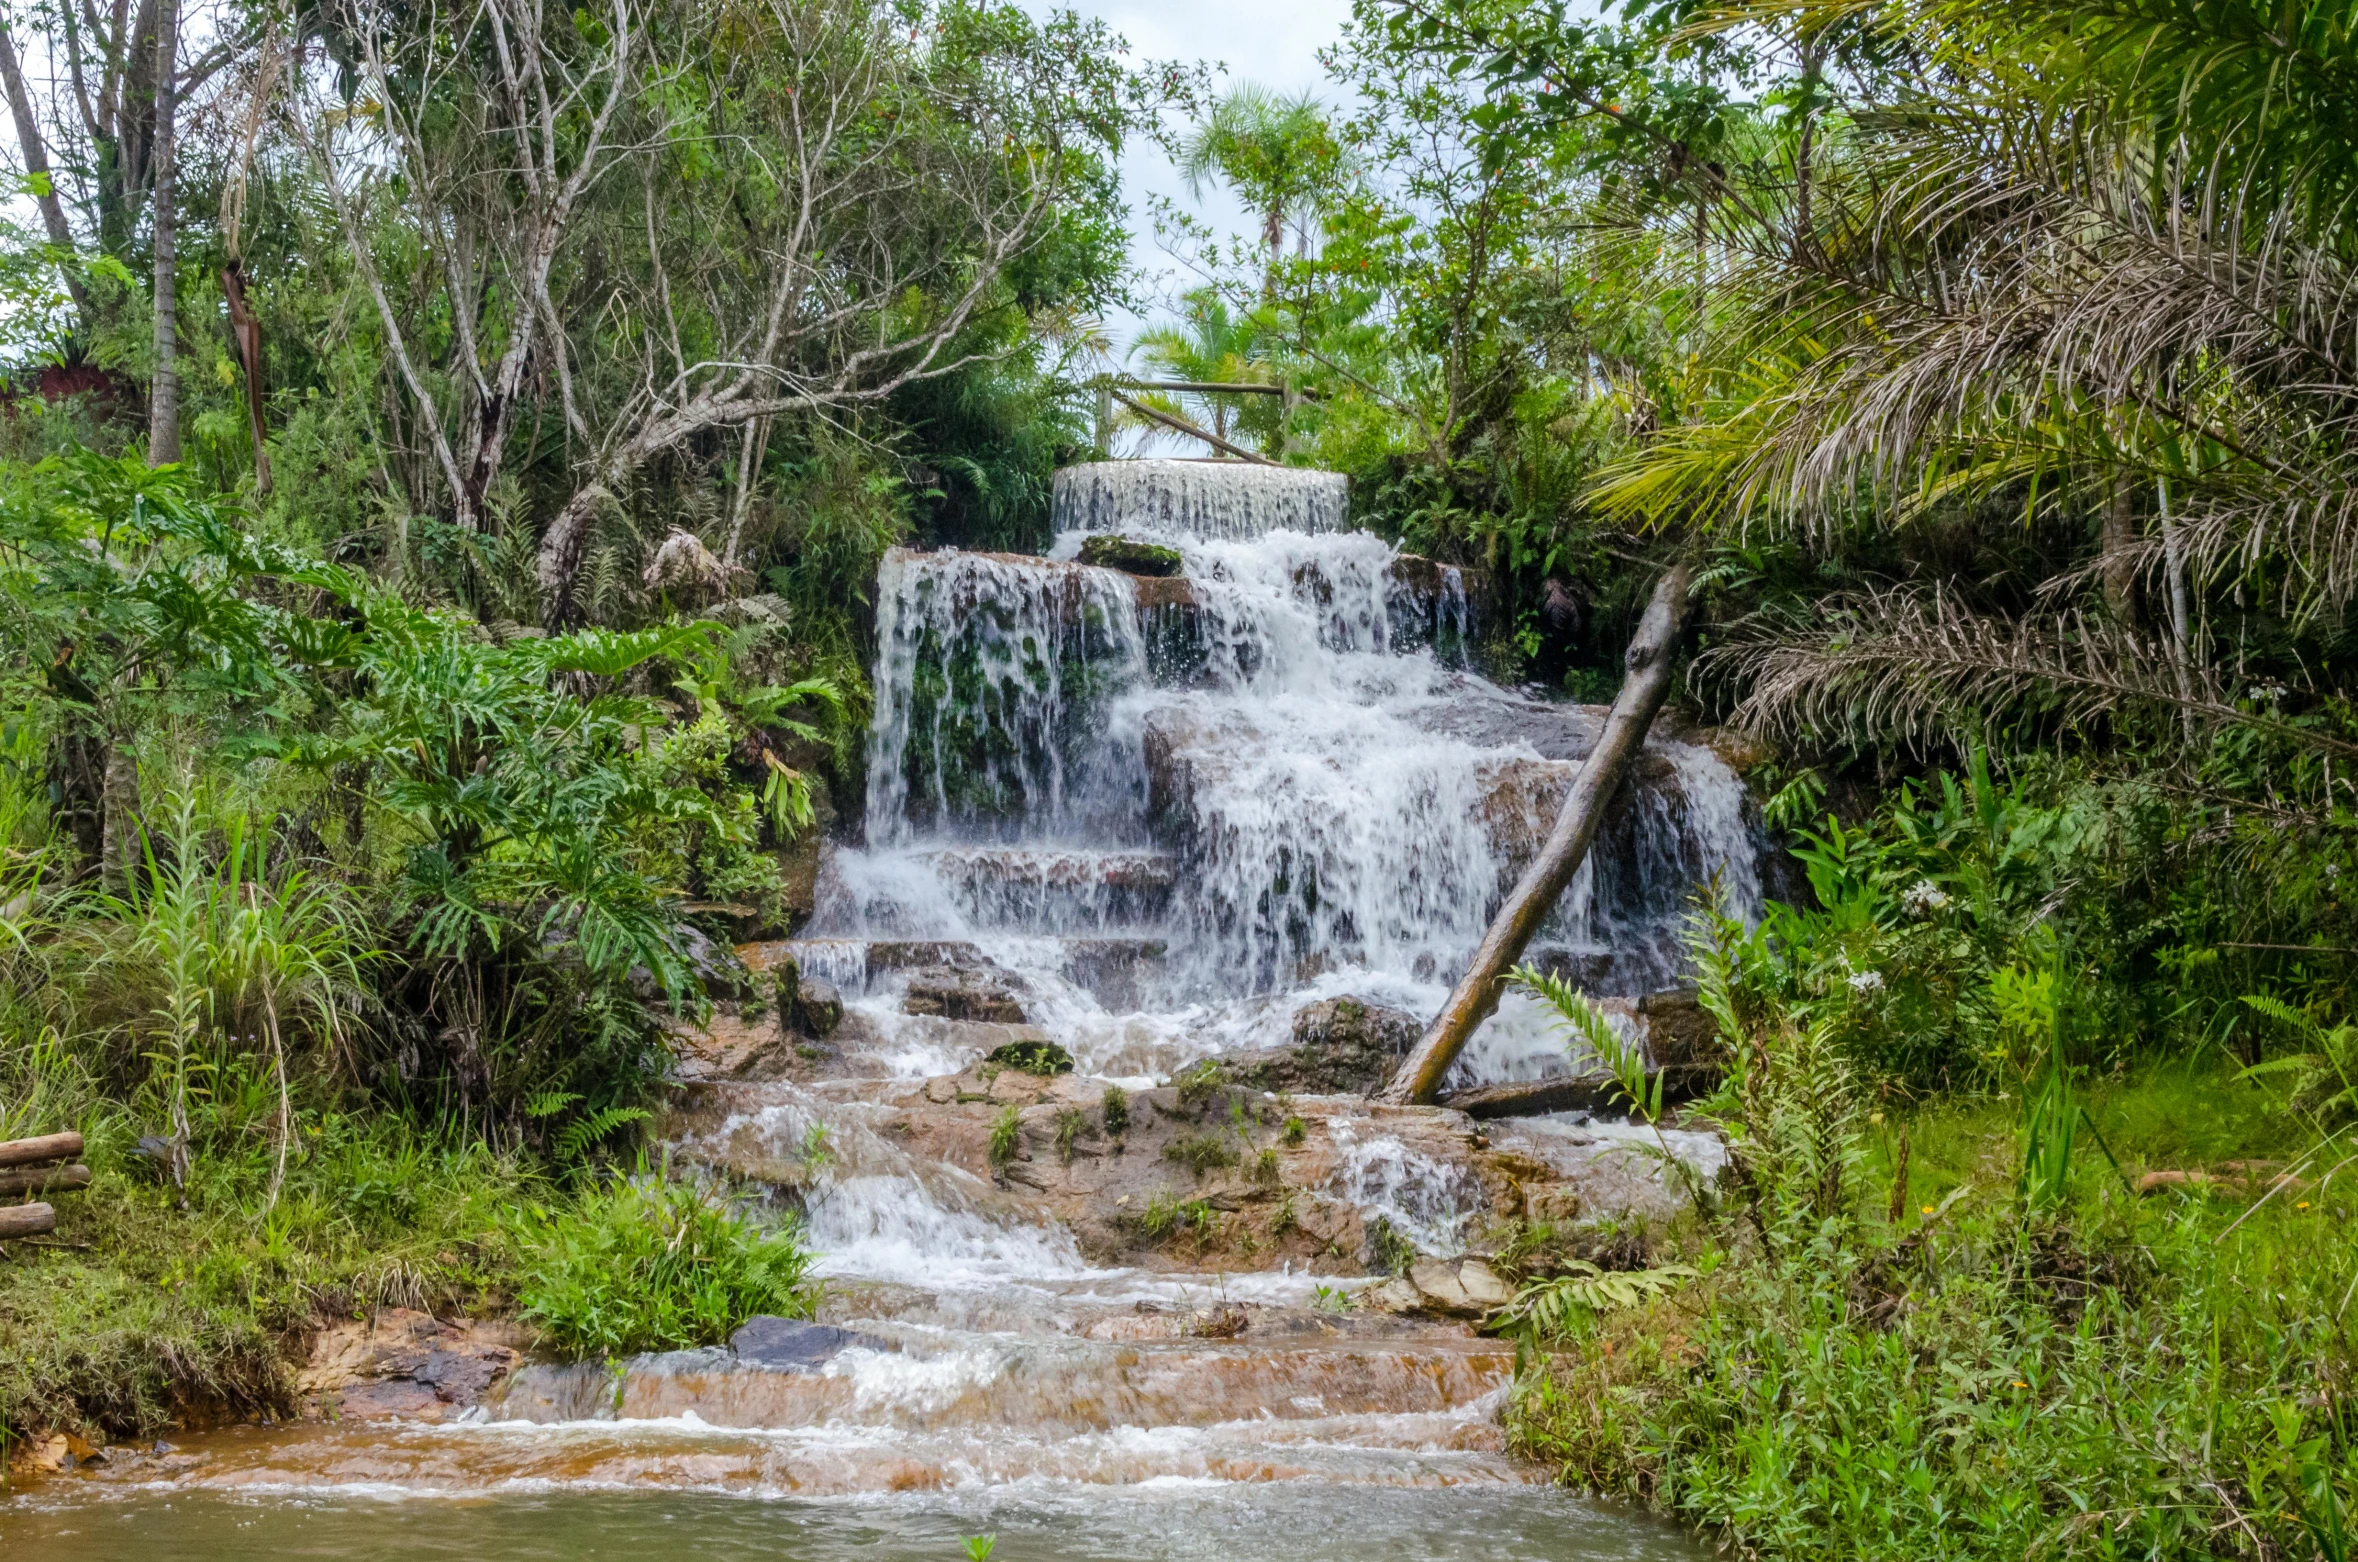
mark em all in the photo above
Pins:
pixel 1168 1521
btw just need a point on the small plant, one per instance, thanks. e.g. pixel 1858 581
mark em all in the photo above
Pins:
pixel 1200 1153
pixel 979 1547
pixel 816 1154
pixel 1199 1083
pixel 1331 1299
pixel 1114 1109
pixel 1006 1139
pixel 1568 1305
pixel 651 1265
pixel 1071 1124
pixel 1165 1216
pixel 1388 1252
pixel 1286 1217
pixel 1265 1168
pixel 1294 1131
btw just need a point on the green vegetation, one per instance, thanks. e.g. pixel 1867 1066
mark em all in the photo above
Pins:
pixel 1006 1138
pixel 1926 1312
pixel 653 1265
pixel 1114 1110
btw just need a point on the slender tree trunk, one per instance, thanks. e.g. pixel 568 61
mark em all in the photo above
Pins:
pixel 2174 560
pixel 119 810
pixel 36 156
pixel 2117 557
pixel 163 406
pixel 1645 685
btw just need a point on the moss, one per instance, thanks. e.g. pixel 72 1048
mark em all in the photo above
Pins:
pixel 1131 558
pixel 1032 1056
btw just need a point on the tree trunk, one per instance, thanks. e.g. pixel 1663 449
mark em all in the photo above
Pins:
pixel 1644 687
pixel 2117 556
pixel 36 156
pixel 119 852
pixel 163 405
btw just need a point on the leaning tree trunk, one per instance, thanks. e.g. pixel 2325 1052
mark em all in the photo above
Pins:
pixel 1643 688
pixel 163 405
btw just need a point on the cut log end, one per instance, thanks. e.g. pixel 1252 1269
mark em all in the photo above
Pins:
pixel 26 1220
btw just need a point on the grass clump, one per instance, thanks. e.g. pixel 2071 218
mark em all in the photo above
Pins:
pixel 1114 1110
pixel 650 1265
pixel 1006 1139
pixel 1071 1124
pixel 1201 1153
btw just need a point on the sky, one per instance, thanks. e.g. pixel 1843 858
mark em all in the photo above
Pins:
pixel 1272 42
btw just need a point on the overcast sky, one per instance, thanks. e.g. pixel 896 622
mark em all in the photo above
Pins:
pixel 1272 42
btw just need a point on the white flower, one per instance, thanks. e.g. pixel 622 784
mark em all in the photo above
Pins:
pixel 1922 898
pixel 1866 981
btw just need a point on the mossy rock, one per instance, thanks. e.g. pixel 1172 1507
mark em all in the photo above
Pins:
pixel 1044 1058
pixel 1131 558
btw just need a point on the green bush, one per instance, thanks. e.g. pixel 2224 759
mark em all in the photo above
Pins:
pixel 647 1265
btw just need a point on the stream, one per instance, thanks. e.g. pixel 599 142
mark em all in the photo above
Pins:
pixel 1149 818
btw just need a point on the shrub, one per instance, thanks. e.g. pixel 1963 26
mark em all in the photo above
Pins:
pixel 648 1265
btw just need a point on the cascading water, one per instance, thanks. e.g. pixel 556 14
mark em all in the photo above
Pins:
pixel 1154 816
pixel 1268 779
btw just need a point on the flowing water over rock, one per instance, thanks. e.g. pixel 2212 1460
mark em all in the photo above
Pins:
pixel 1258 803
pixel 1177 810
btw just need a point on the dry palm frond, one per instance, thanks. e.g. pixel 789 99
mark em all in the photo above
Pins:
pixel 1920 666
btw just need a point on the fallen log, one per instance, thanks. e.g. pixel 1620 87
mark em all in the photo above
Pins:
pixel 1644 686
pixel 1536 1097
pixel 45 1179
pixel 1569 1093
pixel 32 1152
pixel 26 1220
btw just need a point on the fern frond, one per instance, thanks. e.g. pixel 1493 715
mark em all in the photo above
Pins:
pixel 1623 1058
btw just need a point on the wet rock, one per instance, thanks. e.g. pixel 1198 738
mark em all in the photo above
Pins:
pixel 1394 1296
pixel 1680 1033
pixel 1130 557
pixel 794 1344
pixel 1462 1288
pixel 404 1363
pixel 818 1007
pixel 955 993
pixel 1341 1047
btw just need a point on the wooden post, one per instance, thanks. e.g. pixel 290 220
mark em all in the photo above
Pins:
pixel 32 1152
pixel 26 1220
pixel 1644 686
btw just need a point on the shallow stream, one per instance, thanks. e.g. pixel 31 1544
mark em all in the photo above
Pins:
pixel 1162 815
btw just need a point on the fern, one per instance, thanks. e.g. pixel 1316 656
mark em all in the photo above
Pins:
pixel 1623 1058
pixel 578 1136
pixel 550 1102
pixel 1567 1306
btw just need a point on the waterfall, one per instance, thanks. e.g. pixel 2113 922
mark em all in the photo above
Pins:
pixel 1168 811
pixel 1196 499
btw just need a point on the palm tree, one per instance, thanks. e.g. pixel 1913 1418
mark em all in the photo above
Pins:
pixel 2099 270
pixel 1211 342
pixel 1276 152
